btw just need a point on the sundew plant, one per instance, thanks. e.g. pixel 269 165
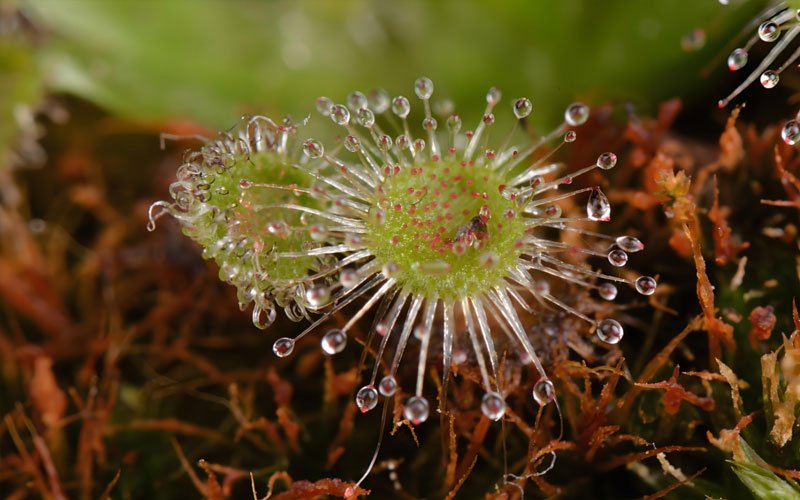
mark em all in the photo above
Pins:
pixel 439 233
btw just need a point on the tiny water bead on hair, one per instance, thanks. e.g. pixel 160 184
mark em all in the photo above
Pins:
pixel 444 234
pixel 779 24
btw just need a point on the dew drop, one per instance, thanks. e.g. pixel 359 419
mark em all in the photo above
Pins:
pixel 576 114
pixel 454 123
pixel 416 410
pixel 317 296
pixel 351 144
pixel 313 148
pixel 366 398
pixel 245 184
pixel 769 31
pixel 630 244
pixel 544 391
pixel 365 117
pixel 333 341
pixel 419 145
pixel 607 291
pixel 400 106
pixel 423 87
pixel 791 133
pixel 607 161
pixel 570 136
pixel 387 386
pixel 609 331
pixel 737 60
pixel 522 107
pixel 340 115
pixel 402 142
pixel 537 181
pixel 645 285
pixel 356 101
pixel 324 105
pixel 598 207
pixel 283 347
pixel 493 406
pixel 769 79
pixel 378 100
pixel 542 287
pixel 488 118
pixel 617 257
pixel 279 228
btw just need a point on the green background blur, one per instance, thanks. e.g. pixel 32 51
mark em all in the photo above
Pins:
pixel 209 61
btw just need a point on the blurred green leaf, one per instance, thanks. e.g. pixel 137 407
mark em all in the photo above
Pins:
pixel 213 60
pixel 763 483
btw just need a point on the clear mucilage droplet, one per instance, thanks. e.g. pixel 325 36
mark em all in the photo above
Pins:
pixel 737 60
pixel 769 31
pixel 366 398
pixel 493 406
pixel 617 257
pixel 609 331
pixel 544 391
pixel 598 207
pixel 340 115
pixel 356 101
pixel 769 79
pixel 790 133
pixel 576 114
pixel 334 341
pixel 493 96
pixel 416 410
pixel 607 161
pixel 630 244
pixel 522 107
pixel 283 347
pixel 313 149
pixel 645 285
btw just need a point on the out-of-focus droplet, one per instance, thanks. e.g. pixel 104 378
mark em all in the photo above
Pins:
pixel 387 386
pixel 576 114
pixel 416 410
pixel 493 406
pixel 423 87
pixel 607 291
pixel 737 60
pixel 400 106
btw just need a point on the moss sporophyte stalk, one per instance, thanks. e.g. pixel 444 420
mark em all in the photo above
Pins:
pixel 445 233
